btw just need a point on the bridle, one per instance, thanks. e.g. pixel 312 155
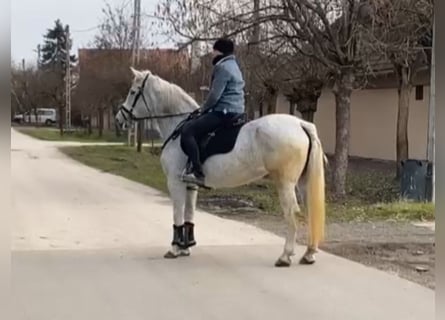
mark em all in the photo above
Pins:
pixel 126 112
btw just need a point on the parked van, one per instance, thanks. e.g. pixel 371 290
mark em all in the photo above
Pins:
pixel 45 116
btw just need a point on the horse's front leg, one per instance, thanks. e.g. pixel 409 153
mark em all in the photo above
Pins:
pixel 189 214
pixel 178 194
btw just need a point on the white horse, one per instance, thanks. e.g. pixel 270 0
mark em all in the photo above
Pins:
pixel 280 146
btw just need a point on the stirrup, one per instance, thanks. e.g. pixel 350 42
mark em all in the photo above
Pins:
pixel 191 178
pixel 185 177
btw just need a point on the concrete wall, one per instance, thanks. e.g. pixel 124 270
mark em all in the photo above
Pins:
pixel 373 123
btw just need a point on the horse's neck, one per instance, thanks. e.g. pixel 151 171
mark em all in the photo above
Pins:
pixel 168 125
pixel 176 108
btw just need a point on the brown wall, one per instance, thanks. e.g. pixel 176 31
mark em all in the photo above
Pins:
pixel 373 123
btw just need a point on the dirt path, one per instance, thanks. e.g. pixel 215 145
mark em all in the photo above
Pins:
pixel 399 248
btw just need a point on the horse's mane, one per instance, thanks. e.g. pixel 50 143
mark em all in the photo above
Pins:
pixel 170 95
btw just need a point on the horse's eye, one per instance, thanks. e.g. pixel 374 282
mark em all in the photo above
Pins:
pixel 132 92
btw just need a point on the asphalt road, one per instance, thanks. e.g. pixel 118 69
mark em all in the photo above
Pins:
pixel 89 245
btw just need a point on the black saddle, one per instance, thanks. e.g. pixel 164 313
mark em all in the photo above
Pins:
pixel 222 139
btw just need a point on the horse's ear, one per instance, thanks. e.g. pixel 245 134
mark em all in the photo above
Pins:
pixel 136 73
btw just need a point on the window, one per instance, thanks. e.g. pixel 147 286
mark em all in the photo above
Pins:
pixel 419 92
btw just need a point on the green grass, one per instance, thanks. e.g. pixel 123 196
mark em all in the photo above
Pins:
pixel 371 195
pixel 124 161
pixel 53 134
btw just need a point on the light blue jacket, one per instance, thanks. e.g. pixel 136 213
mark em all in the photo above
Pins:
pixel 227 87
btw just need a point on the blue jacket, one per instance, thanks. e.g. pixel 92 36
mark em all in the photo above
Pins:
pixel 226 88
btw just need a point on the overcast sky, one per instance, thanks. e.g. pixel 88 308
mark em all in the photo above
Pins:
pixel 31 18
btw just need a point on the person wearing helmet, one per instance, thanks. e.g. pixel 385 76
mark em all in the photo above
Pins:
pixel 224 101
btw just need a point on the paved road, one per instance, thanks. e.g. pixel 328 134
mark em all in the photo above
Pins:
pixel 89 245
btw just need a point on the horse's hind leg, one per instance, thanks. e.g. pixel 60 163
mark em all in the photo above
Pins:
pixel 309 255
pixel 289 204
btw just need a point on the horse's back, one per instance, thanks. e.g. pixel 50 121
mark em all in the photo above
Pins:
pixel 277 129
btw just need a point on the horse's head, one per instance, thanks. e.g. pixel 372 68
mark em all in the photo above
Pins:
pixel 138 103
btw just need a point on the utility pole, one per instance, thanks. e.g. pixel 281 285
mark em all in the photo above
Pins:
pixel 68 80
pixel 254 41
pixel 38 56
pixel 136 32
pixel 139 125
pixel 26 88
pixel 432 115
pixel 256 17
pixel 132 131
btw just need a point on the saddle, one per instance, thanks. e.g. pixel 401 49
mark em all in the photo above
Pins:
pixel 220 141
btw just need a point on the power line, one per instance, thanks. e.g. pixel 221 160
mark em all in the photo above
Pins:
pixel 86 30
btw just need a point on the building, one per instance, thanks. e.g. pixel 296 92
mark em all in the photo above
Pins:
pixel 374 118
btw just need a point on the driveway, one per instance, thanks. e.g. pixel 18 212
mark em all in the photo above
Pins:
pixel 89 245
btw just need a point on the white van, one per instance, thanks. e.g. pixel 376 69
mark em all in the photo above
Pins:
pixel 45 116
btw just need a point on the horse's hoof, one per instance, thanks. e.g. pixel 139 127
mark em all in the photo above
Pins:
pixel 170 255
pixel 307 260
pixel 184 253
pixel 281 263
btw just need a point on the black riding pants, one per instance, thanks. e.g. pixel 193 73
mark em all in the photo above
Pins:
pixel 195 130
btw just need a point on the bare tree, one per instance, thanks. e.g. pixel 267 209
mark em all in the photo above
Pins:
pixel 203 20
pixel 331 32
pixel 402 34
pixel 116 27
pixel 32 88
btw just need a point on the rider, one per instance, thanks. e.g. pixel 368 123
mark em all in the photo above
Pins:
pixel 224 101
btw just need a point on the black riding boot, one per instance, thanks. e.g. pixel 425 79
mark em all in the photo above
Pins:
pixel 189 236
pixel 178 236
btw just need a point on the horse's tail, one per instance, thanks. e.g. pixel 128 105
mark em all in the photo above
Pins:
pixel 315 186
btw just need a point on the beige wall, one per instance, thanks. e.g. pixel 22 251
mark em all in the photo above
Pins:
pixel 373 123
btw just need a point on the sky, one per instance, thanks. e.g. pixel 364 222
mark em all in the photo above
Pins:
pixel 31 18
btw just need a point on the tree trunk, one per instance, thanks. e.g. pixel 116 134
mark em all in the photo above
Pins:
pixel 109 119
pixel 250 107
pixel 117 130
pixel 272 98
pixel 261 106
pixel 292 107
pixel 36 116
pixel 307 107
pixel 308 116
pixel 90 129
pixel 140 134
pixel 101 122
pixel 343 91
pixel 61 120
pixel 402 117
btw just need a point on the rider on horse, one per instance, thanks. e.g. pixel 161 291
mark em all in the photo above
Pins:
pixel 224 102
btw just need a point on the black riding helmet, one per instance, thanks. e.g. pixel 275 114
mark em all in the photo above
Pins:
pixel 225 46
